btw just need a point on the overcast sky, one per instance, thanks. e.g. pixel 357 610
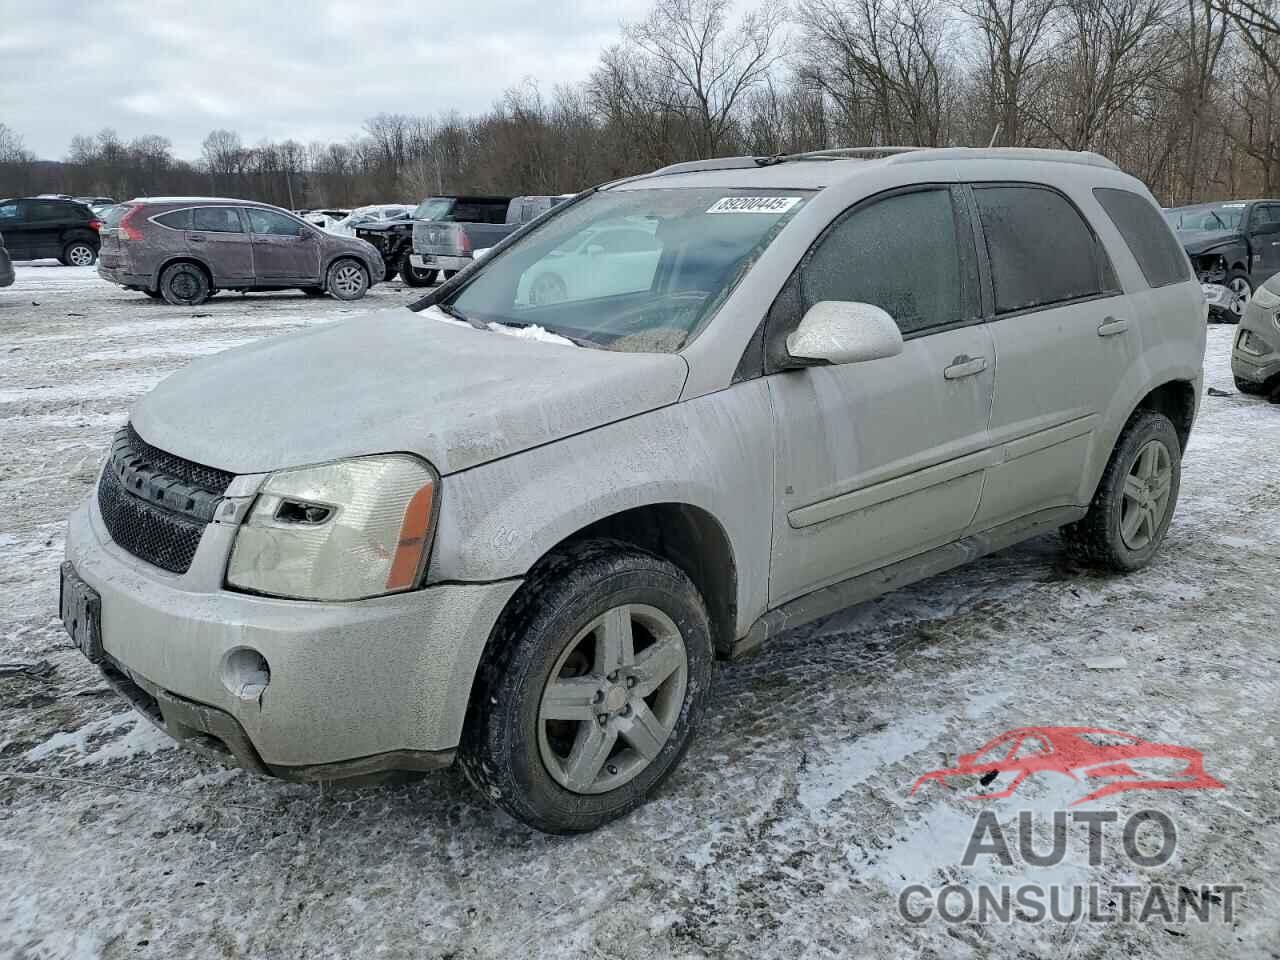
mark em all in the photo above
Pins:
pixel 307 69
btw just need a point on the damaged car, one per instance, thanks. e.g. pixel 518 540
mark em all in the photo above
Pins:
pixel 516 531
pixel 1234 246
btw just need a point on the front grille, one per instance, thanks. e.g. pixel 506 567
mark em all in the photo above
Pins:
pixel 196 474
pixel 156 505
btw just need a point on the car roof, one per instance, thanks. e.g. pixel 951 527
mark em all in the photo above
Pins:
pixel 197 200
pixel 824 168
pixel 1210 204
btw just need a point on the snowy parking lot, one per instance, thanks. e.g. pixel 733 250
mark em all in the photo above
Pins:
pixel 791 829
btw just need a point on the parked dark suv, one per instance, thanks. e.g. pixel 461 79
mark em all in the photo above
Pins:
pixel 1233 244
pixel 185 249
pixel 6 265
pixel 39 227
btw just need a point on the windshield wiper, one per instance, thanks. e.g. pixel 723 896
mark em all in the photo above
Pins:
pixel 578 341
pixel 451 311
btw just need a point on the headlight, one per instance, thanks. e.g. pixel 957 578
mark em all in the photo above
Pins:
pixel 339 531
pixel 1264 298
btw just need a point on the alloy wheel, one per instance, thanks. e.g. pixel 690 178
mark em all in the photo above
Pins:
pixel 80 255
pixel 613 698
pixel 348 279
pixel 1146 495
pixel 1240 293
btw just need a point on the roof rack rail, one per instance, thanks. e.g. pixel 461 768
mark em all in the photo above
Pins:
pixel 1010 153
pixel 715 163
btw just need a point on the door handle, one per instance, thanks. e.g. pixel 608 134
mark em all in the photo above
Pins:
pixel 196 239
pixel 965 366
pixel 1110 326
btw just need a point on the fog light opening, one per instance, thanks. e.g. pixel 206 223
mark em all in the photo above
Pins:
pixel 245 673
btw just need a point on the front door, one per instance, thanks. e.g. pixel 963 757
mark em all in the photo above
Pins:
pixel 218 237
pixel 1065 333
pixel 37 231
pixel 14 229
pixel 284 249
pixel 882 460
pixel 1264 238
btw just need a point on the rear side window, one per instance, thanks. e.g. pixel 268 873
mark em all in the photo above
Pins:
pixel 9 210
pixel 53 210
pixel 175 220
pixel 216 220
pixel 1149 238
pixel 1041 250
pixel 479 211
pixel 899 253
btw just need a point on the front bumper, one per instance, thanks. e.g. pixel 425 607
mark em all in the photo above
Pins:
pixel 429 261
pixel 355 688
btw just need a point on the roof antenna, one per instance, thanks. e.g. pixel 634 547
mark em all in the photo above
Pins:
pixel 994 135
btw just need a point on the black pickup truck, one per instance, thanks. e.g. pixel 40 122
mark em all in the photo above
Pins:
pixel 444 232
pixel 1233 244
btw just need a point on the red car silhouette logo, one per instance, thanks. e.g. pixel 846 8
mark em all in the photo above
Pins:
pixel 1084 754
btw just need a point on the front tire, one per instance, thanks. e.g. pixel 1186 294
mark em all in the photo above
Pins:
pixel 590 689
pixel 1241 290
pixel 1135 500
pixel 185 285
pixel 347 280
pixel 313 291
pixel 1251 388
pixel 415 276
pixel 153 294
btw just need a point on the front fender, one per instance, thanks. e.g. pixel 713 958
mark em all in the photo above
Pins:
pixel 714 452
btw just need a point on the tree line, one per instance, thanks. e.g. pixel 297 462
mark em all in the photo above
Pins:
pixel 1185 94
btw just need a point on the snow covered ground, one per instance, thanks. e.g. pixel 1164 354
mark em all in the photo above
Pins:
pixel 789 830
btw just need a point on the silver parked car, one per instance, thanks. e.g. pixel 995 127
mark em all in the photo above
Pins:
pixel 517 533
pixel 1255 356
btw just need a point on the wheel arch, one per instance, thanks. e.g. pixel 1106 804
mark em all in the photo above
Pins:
pixel 689 537
pixel 1176 399
pixel 182 258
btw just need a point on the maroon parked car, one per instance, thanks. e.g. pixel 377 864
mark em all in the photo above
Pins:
pixel 185 249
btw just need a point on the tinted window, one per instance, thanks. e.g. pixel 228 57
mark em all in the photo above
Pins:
pixel 900 254
pixel 1041 249
pixel 176 220
pixel 479 211
pixel 1157 251
pixel 216 220
pixel 268 221
pixel 52 210
pixel 9 210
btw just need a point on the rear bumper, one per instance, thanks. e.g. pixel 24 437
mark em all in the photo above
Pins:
pixel 124 277
pixel 429 261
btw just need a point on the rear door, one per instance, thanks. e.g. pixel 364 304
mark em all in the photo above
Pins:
pixel 1264 237
pixel 1064 336
pixel 285 250
pixel 882 460
pixel 14 227
pixel 39 229
pixel 219 238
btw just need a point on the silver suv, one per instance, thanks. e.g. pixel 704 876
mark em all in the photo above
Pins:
pixel 516 529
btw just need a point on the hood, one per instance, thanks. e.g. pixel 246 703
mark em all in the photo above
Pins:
pixel 1202 241
pixel 395 381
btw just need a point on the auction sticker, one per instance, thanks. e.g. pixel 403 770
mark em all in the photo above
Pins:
pixel 753 204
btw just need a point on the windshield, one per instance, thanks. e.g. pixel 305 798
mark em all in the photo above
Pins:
pixel 633 270
pixel 1213 216
pixel 433 208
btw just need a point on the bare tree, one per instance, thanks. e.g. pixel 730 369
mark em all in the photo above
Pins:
pixel 1014 36
pixel 693 47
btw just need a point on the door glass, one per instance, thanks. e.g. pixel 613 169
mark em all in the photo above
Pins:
pixel 272 223
pixel 900 254
pixel 50 210
pixel 176 220
pixel 216 220
pixel 1042 251
pixel 9 211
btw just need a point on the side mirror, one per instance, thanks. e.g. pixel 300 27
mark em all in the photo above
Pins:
pixel 839 331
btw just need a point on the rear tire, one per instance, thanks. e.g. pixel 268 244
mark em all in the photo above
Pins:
pixel 415 276
pixel 601 629
pixel 347 280
pixel 78 253
pixel 1135 500
pixel 185 285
